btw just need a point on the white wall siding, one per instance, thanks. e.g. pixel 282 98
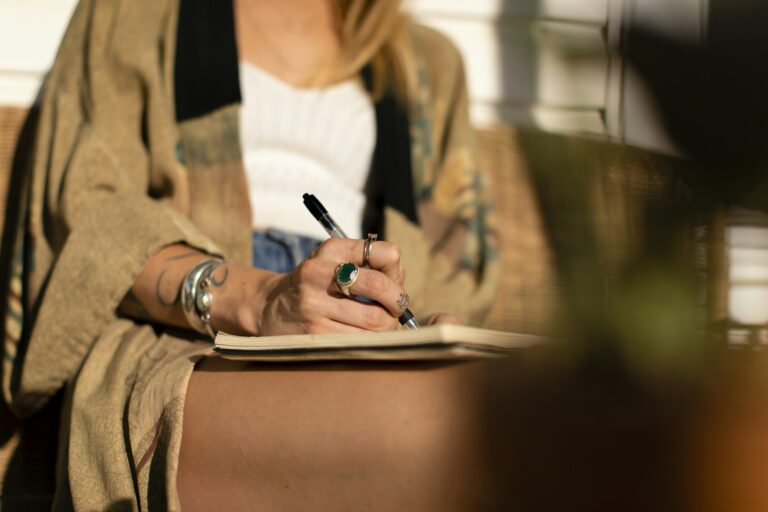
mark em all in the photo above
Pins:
pixel 585 11
pixel 30 31
pixel 556 66
pixel 531 62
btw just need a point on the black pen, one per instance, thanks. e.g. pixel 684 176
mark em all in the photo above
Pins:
pixel 319 212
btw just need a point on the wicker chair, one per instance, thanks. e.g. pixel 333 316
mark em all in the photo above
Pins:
pixel 27 448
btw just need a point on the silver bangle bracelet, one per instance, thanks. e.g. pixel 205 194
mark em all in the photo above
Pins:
pixel 196 298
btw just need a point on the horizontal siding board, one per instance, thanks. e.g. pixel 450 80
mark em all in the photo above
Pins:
pixel 559 64
pixel 580 11
pixel 588 121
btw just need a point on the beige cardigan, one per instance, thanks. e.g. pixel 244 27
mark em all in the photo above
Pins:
pixel 114 177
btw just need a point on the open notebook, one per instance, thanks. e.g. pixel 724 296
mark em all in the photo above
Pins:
pixel 435 343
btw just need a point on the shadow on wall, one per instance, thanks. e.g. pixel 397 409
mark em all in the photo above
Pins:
pixel 517 61
pixel 713 98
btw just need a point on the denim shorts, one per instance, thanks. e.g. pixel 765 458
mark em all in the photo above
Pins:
pixel 280 251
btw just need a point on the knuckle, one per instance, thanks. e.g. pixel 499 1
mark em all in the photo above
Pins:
pixel 307 269
pixel 330 246
pixel 378 283
pixel 304 303
pixel 374 317
pixel 323 247
pixel 391 251
pixel 390 323
pixel 303 269
pixel 318 327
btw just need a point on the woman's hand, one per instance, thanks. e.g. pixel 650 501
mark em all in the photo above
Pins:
pixel 258 302
pixel 306 300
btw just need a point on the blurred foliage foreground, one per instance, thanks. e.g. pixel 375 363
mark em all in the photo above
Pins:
pixel 642 405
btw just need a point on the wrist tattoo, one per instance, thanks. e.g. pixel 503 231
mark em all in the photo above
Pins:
pixel 159 296
pixel 217 283
pixel 176 300
pixel 184 255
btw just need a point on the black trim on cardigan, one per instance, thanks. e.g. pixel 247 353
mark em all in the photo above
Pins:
pixel 206 74
pixel 206 77
pixel 390 182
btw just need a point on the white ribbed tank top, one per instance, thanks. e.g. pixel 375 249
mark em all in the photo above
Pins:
pixel 296 140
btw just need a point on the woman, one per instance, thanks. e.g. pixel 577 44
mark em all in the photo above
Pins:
pixel 138 176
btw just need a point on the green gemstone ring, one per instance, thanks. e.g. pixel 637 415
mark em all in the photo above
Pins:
pixel 345 275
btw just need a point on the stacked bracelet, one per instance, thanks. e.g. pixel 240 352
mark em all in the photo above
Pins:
pixel 196 298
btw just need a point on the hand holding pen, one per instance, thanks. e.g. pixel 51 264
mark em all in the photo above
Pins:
pixel 347 272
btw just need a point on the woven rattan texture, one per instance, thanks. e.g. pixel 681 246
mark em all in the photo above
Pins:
pixel 621 184
pixel 526 290
pixel 10 125
pixel 27 449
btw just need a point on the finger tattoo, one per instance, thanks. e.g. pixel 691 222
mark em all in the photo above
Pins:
pixel 403 301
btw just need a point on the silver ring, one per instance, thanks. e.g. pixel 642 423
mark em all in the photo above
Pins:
pixel 345 276
pixel 372 237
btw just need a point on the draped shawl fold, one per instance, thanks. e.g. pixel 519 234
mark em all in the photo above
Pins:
pixel 117 173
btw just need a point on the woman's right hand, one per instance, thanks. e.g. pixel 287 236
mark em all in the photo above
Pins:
pixel 306 300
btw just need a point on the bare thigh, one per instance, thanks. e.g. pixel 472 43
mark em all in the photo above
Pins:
pixel 330 437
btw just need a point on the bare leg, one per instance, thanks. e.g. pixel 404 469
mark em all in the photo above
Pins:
pixel 330 437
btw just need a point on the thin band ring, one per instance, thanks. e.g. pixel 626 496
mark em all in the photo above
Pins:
pixel 345 276
pixel 372 237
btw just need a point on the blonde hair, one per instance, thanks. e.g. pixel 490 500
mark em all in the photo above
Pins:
pixel 373 31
